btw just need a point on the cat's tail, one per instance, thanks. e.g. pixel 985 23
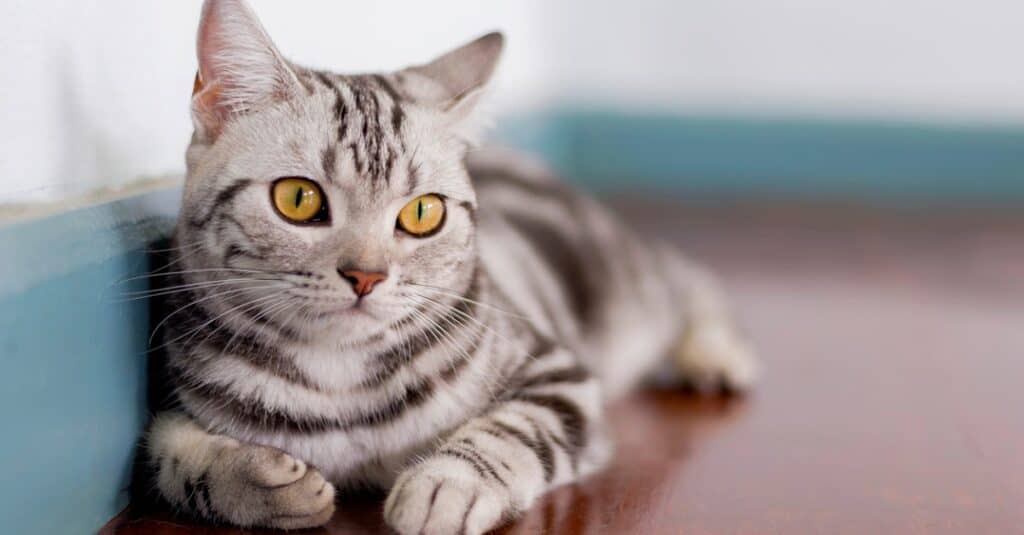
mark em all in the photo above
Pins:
pixel 709 354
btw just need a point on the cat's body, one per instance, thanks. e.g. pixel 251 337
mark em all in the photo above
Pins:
pixel 464 367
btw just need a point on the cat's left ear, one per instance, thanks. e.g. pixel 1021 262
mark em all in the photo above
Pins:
pixel 456 81
pixel 240 69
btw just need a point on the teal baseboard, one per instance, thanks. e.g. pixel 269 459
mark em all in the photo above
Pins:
pixel 779 159
pixel 72 395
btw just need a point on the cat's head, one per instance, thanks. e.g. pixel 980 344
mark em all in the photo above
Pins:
pixel 319 202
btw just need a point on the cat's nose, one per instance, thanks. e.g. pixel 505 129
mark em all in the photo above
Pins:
pixel 362 281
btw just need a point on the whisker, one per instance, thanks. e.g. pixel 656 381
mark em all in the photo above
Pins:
pixel 275 306
pixel 489 378
pixel 204 299
pixel 460 352
pixel 454 295
pixel 206 270
pixel 189 250
pixel 189 246
pixel 469 317
pixel 155 292
pixel 239 309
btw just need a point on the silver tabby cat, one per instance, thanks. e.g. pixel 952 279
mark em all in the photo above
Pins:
pixel 362 302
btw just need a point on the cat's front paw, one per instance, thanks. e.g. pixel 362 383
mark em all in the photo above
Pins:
pixel 438 497
pixel 260 486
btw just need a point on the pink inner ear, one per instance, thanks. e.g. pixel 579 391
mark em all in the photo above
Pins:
pixel 204 105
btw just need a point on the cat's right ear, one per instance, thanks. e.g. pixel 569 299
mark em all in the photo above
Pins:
pixel 240 69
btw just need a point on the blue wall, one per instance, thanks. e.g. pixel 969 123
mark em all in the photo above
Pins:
pixel 750 159
pixel 72 397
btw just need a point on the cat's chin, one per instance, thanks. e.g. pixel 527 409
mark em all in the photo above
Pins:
pixel 353 320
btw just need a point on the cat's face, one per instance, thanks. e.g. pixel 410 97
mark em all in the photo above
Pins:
pixel 326 205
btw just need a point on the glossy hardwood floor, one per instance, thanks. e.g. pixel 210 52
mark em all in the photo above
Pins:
pixel 893 400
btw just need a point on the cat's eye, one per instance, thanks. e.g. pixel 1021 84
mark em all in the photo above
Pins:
pixel 299 200
pixel 422 216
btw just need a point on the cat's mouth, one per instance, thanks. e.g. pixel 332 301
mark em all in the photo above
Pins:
pixel 353 308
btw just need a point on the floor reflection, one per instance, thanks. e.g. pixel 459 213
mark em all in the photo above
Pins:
pixel 656 434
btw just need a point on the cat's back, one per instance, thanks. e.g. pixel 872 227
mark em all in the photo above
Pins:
pixel 568 263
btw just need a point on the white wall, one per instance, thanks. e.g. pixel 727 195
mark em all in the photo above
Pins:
pixel 95 92
pixel 932 60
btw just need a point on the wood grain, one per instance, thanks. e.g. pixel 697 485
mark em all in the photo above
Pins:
pixel 892 401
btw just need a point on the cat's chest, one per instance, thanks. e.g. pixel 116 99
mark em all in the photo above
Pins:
pixel 330 417
pixel 351 437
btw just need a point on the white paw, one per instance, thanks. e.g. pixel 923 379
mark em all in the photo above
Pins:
pixel 713 356
pixel 261 486
pixel 432 500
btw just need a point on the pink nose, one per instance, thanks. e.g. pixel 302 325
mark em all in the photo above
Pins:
pixel 361 281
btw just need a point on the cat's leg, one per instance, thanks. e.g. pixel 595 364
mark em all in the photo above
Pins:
pixel 220 479
pixel 544 433
pixel 711 353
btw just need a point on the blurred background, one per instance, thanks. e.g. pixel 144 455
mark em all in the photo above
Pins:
pixel 812 99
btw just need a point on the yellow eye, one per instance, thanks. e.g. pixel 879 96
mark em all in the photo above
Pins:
pixel 299 200
pixel 422 216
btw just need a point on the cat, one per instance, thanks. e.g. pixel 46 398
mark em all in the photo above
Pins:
pixel 358 297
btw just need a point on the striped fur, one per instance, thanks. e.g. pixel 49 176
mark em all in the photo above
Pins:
pixel 471 380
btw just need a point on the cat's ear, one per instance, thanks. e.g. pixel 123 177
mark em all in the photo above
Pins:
pixel 240 69
pixel 456 81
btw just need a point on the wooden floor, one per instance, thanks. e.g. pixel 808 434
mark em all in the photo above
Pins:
pixel 893 400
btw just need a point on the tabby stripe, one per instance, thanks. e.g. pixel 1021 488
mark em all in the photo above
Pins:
pixel 222 199
pixel 256 315
pixel 235 250
pixel 547 188
pixel 389 164
pixel 572 375
pixel 541 348
pixel 465 515
pixel 471 449
pixel 414 396
pixel 261 252
pixel 453 369
pixel 327 160
pixel 565 447
pixel 575 274
pixel 413 173
pixel 203 486
pixel 482 467
pixel 263 356
pixel 379 166
pixel 430 508
pixel 340 108
pixel 190 496
pixel 572 419
pixel 197 319
pixel 539 448
pixel 540 437
pixel 356 160
pixel 256 414
pixel 405 351
pixel 397 113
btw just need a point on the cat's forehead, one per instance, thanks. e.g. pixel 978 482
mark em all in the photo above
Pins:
pixel 356 133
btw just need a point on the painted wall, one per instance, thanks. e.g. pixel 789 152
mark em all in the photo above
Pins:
pixel 948 61
pixel 94 92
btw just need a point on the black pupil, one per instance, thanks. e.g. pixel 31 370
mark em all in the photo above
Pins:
pixel 419 210
pixel 298 196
